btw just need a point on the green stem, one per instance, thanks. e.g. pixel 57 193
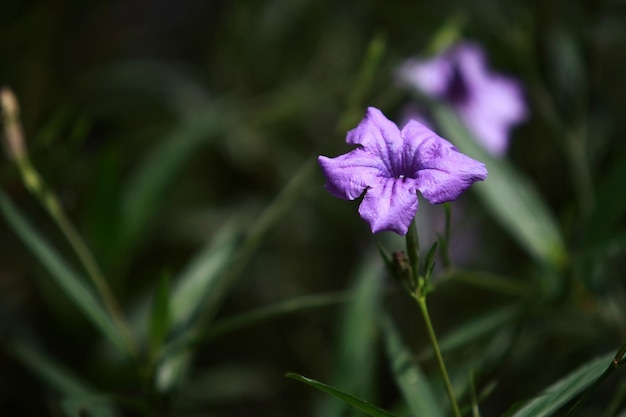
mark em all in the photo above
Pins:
pixel 34 183
pixel 421 301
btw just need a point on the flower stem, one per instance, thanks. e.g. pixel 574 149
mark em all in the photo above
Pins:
pixel 36 185
pixel 50 202
pixel 420 291
pixel 421 301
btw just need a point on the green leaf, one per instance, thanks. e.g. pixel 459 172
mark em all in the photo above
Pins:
pixel 356 402
pixel 202 286
pixel 492 282
pixel 566 71
pixel 387 259
pixel 101 210
pixel 413 384
pixel 239 382
pixel 201 283
pixel 67 279
pixel 478 327
pixel 429 263
pixel 281 308
pixel 201 280
pixel 474 400
pixel 160 317
pixel 610 205
pixel 555 396
pixel 90 406
pixel 357 335
pixel 363 82
pixel 509 196
pixel 61 380
pixel 173 370
pixel 147 189
pixel 142 82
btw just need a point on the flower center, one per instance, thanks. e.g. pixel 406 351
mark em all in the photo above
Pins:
pixel 457 91
pixel 401 177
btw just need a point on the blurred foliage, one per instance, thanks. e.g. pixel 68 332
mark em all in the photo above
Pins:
pixel 180 138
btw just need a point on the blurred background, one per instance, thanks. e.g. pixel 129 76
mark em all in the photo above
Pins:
pixel 162 124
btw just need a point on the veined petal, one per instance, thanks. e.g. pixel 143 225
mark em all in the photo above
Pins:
pixel 446 173
pixel 379 136
pixel 348 175
pixel 390 204
pixel 420 143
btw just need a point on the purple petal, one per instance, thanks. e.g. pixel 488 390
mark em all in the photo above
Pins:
pixel 390 204
pixel 348 175
pixel 379 136
pixel 491 114
pixel 431 76
pixel 415 134
pixel 489 104
pixel 444 172
pixel 469 58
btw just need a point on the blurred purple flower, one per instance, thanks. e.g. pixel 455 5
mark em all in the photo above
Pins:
pixel 390 165
pixel 489 104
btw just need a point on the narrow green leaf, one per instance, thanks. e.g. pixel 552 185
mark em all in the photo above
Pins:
pixel 363 82
pixel 191 288
pixel 555 396
pixel 52 373
pixel 160 317
pixel 173 370
pixel 356 337
pixel 387 259
pixel 429 263
pixel 67 279
pixel 475 409
pixel 413 384
pixel 511 198
pixel 90 406
pixel 281 308
pixel 356 402
pixel 492 282
pixel 477 327
pixel 62 381
pixel 202 286
pixel 617 401
pixel 610 204
pixel 101 209
pixel 163 84
pixel 201 282
pixel 148 187
pixel 224 382
pixel 566 70
pixel 201 278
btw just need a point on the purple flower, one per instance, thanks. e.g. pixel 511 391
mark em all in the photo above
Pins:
pixel 489 104
pixel 390 165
